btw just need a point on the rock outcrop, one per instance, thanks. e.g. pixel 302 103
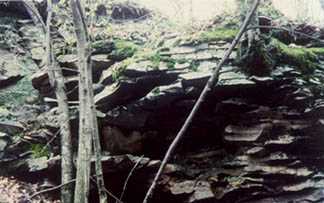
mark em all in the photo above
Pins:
pixel 257 137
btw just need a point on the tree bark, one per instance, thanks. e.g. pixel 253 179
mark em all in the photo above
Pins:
pixel 84 147
pixel 209 86
pixel 57 82
pixel 95 134
pixel 88 126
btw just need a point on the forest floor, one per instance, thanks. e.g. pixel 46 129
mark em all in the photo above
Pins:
pixel 16 191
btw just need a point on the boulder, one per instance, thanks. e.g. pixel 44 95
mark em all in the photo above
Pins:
pixel 38 54
pixel 130 118
pixel 18 9
pixel 11 127
pixel 117 142
pixel 119 94
pixel 100 62
pixel 243 134
pixel 129 11
pixel 10 71
pixel 37 164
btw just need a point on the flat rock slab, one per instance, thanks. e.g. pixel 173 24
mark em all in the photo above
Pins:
pixel 11 127
pixel 234 133
pixel 10 72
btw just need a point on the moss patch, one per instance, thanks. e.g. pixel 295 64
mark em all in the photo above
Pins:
pixel 265 53
pixel 123 49
pixel 217 34
pixel 155 57
pixel 194 65
pixel 303 58
pixel 317 50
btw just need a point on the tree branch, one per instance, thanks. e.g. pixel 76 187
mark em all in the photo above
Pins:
pixel 288 30
pixel 210 84
pixel 128 177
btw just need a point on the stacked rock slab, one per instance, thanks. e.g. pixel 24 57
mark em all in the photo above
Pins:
pixel 256 139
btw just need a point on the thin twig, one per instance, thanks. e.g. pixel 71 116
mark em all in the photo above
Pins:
pixel 210 84
pixel 51 140
pixel 129 175
pixel 69 182
pixel 107 191
pixel 54 136
pixel 63 68
pixel 51 189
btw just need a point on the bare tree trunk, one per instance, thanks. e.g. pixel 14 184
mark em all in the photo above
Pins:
pixel 84 148
pixel 97 151
pixel 95 134
pixel 209 86
pixel 88 128
pixel 57 82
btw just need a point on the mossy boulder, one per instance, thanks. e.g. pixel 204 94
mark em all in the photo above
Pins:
pixel 212 35
pixel 267 53
pixel 304 59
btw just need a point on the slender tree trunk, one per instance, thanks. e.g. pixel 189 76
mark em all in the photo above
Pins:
pixel 88 128
pixel 84 148
pixel 209 86
pixel 95 134
pixel 57 82
pixel 97 151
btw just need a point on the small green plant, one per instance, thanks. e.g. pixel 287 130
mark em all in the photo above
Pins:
pixel 194 65
pixel 156 91
pixel 171 64
pixel 156 60
pixel 39 150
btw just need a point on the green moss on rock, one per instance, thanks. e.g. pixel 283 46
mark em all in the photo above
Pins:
pixel 317 50
pixel 217 34
pixel 123 49
pixel 266 53
pixel 118 70
pixel 305 59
